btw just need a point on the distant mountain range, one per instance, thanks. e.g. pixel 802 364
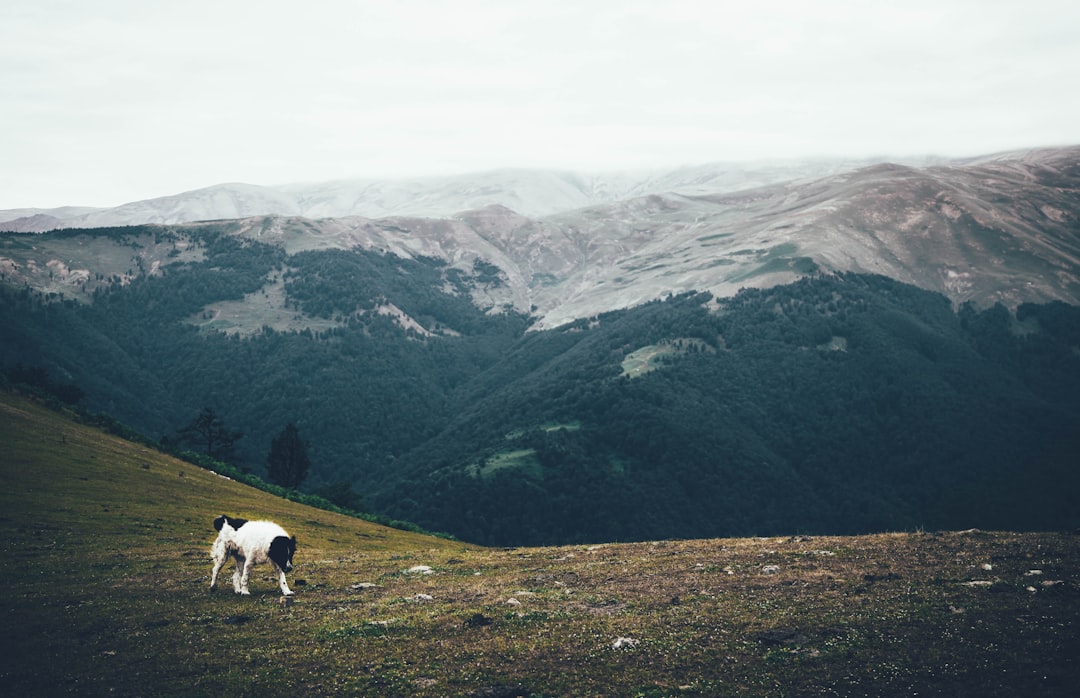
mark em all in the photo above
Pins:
pixel 528 192
pixel 1000 228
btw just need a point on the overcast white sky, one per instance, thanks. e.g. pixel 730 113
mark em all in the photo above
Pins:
pixel 111 101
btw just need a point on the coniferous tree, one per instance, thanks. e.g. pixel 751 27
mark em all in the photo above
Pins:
pixel 208 432
pixel 288 463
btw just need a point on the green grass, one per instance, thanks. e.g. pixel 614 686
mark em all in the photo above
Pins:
pixel 518 459
pixel 263 308
pixel 549 428
pixel 649 358
pixel 106 592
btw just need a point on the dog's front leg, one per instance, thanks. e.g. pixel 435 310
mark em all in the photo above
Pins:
pixel 281 581
pixel 239 578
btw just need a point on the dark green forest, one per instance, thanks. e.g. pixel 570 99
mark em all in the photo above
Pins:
pixel 837 404
pixel 925 418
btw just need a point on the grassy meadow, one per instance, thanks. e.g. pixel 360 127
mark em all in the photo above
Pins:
pixel 106 593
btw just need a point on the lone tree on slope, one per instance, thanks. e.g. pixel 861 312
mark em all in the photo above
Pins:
pixel 287 463
pixel 208 432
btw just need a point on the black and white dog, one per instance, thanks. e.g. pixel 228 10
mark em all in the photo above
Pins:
pixel 251 543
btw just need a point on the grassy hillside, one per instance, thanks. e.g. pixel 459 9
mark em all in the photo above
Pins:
pixel 106 592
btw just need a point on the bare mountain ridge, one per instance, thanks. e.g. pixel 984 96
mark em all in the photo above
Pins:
pixel 1004 228
pixel 530 192
pixel 998 230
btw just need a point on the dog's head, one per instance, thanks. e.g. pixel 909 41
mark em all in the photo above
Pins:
pixel 281 552
pixel 234 522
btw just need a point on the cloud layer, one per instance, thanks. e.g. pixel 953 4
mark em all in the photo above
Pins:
pixel 117 100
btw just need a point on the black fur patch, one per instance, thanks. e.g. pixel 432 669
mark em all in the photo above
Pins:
pixel 281 551
pixel 220 521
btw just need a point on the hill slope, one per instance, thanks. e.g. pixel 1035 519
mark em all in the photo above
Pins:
pixel 836 404
pixel 108 594
pixel 839 404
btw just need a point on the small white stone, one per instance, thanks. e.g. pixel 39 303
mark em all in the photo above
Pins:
pixel 420 569
pixel 364 585
pixel 622 643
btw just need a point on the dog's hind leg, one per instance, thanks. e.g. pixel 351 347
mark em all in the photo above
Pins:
pixel 218 563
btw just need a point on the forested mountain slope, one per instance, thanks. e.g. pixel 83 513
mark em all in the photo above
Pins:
pixel 839 403
pixel 351 367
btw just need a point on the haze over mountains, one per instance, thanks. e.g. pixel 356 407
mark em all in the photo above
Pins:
pixel 1000 228
pixel 528 192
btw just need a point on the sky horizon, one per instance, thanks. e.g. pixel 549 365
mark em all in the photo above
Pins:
pixel 122 100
